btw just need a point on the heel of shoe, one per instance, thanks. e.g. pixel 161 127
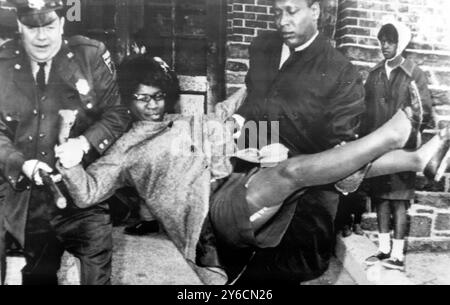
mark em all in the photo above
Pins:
pixel 438 165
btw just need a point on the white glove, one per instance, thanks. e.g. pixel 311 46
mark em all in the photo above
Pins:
pixel 72 152
pixel 31 170
pixel 239 124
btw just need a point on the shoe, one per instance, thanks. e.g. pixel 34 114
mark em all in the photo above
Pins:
pixel 378 257
pixel 358 230
pixel 346 231
pixel 414 112
pixel 437 166
pixel 394 264
pixel 352 183
pixel 142 228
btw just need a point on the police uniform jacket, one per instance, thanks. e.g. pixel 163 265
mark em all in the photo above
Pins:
pixel 82 78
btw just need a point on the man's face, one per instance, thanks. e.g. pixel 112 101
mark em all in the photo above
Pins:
pixel 42 43
pixel 388 48
pixel 296 21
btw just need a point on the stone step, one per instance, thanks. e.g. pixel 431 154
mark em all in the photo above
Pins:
pixel 143 260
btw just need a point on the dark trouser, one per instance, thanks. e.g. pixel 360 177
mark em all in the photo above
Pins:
pixel 2 234
pixel 306 247
pixel 353 204
pixel 87 234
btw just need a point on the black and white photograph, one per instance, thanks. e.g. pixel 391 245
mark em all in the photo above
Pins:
pixel 224 143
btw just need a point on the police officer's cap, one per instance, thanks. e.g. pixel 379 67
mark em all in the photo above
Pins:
pixel 36 13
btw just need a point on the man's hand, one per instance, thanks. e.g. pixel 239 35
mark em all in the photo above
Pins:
pixel 31 170
pixel 72 152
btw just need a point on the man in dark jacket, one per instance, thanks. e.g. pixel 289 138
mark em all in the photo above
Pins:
pixel 45 74
pixel 317 96
pixel 387 90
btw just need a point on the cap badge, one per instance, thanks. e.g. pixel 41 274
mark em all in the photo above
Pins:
pixel 36 4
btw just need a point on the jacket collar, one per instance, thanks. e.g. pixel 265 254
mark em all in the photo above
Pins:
pixel 407 66
pixel 313 50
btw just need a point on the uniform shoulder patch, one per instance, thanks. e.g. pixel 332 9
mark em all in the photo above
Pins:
pixel 9 50
pixel 80 40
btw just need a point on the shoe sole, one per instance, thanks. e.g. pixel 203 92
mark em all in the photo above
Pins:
pixel 371 263
pixel 442 169
pixel 393 267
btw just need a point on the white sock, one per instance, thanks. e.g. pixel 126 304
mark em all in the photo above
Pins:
pixel 384 240
pixel 398 245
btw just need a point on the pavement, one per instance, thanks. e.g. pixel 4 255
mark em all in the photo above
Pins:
pixel 154 260
pixel 422 268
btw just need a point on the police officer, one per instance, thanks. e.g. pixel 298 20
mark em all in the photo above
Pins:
pixel 42 74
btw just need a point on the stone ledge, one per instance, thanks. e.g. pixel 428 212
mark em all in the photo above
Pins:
pixel 353 251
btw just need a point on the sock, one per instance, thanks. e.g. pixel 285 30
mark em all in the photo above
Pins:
pixel 384 239
pixel 398 246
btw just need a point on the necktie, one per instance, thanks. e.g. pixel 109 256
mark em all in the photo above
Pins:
pixel 40 77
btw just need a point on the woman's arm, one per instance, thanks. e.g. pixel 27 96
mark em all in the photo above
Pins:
pixel 98 182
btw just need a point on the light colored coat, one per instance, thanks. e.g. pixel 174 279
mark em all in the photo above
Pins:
pixel 158 160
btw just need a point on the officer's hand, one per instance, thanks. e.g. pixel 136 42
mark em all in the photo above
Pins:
pixel 31 170
pixel 71 153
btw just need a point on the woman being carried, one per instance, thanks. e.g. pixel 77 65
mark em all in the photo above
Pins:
pixel 173 176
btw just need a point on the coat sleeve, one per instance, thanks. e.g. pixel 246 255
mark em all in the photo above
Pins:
pixel 345 108
pixel 98 182
pixel 425 95
pixel 114 117
pixel 11 159
pixel 248 108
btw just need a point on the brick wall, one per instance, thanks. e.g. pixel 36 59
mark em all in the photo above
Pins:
pixel 354 25
pixel 248 19
pixel 357 27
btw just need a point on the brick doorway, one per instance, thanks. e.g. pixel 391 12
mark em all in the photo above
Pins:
pixel 191 36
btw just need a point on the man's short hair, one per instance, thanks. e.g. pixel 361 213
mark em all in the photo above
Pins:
pixel 388 32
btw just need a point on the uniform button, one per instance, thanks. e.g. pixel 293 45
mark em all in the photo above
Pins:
pixel 17 52
pixel 101 146
pixel 89 106
pixel 42 136
pixel 28 188
pixel 17 67
pixel 35 112
pixel 44 153
pixel 8 119
pixel 43 98
pixel 30 138
pixel 43 117
pixel 70 55
pixel 106 142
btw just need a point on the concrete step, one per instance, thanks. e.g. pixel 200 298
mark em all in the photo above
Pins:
pixel 143 260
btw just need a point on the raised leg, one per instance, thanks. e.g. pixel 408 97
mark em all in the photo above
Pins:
pixel 271 186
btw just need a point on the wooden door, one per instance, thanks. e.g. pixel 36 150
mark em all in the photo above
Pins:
pixel 192 38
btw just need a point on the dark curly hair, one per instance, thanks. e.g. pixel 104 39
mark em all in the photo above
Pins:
pixel 149 71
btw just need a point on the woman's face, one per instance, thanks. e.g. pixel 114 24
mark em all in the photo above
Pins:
pixel 148 104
